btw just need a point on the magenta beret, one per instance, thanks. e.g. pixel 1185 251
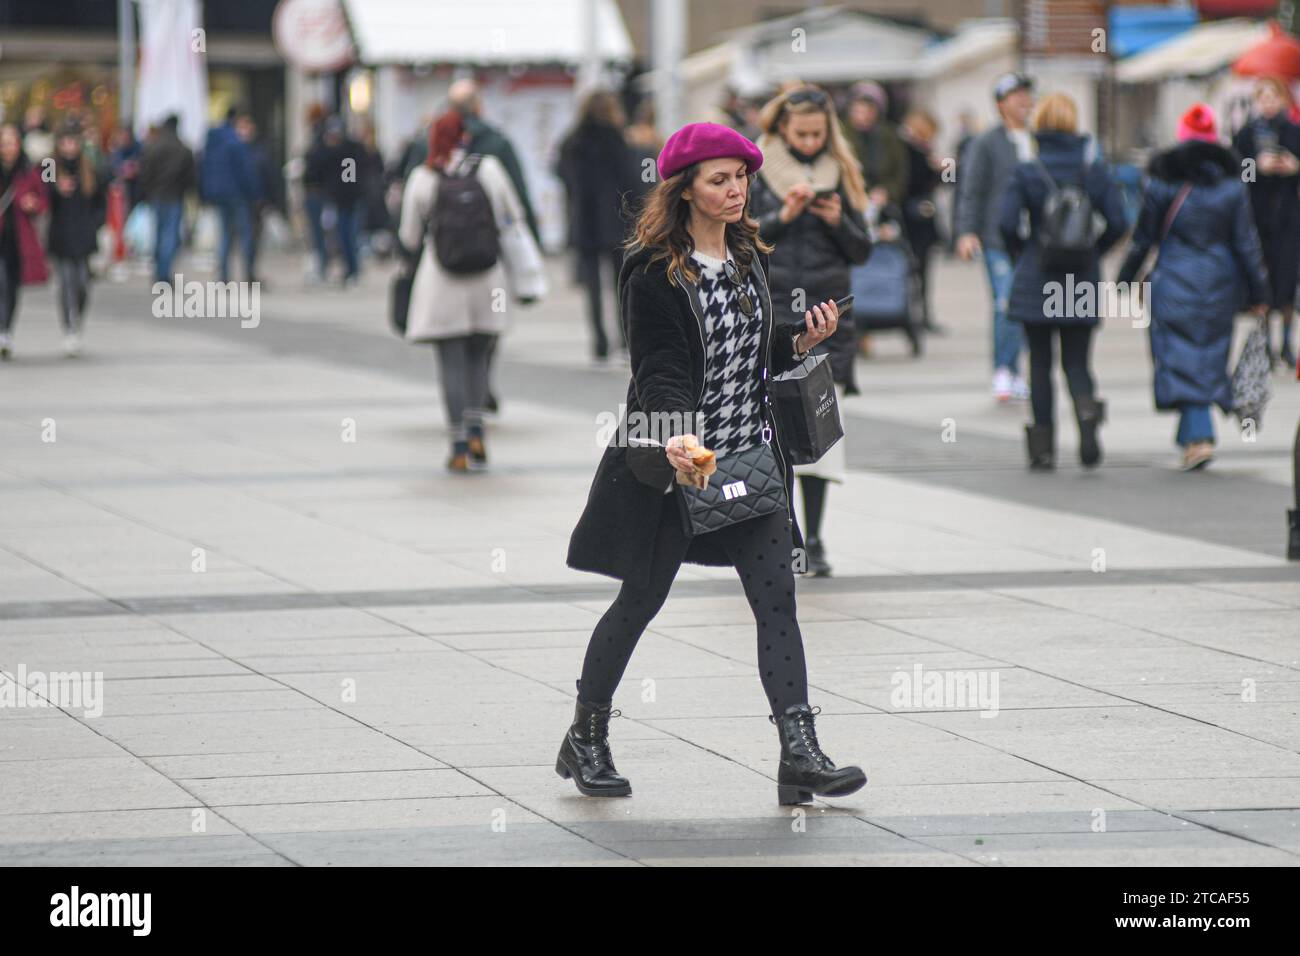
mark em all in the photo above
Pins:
pixel 696 142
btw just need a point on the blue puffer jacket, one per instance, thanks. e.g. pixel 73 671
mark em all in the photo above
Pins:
pixel 1210 265
pixel 1065 157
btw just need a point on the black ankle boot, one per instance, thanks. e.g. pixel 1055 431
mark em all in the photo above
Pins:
pixel 1293 535
pixel 804 769
pixel 585 755
pixel 818 566
pixel 1042 447
pixel 1090 412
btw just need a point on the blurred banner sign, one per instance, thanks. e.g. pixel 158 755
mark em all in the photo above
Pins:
pixel 313 35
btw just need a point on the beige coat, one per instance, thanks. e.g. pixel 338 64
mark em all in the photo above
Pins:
pixel 444 304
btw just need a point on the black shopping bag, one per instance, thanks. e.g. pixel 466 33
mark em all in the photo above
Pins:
pixel 807 413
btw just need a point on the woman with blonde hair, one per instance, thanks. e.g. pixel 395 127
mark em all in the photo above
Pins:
pixel 1047 265
pixel 809 200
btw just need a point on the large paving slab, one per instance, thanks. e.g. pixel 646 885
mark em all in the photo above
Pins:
pixel 321 652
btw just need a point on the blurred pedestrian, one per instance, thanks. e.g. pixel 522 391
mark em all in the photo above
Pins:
pixel 1272 142
pixel 876 143
pixel 920 215
pixel 809 200
pixel 77 207
pixel 23 198
pixel 1038 295
pixel 462 218
pixel 704 339
pixel 125 160
pixel 314 176
pixel 265 193
pixel 985 170
pixel 1197 213
pixel 644 141
pixel 228 181
pixel 599 176
pixel 466 98
pixel 38 140
pixel 167 173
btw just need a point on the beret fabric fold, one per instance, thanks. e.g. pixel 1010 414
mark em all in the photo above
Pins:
pixel 697 142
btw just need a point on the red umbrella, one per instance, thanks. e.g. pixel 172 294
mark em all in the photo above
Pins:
pixel 1279 55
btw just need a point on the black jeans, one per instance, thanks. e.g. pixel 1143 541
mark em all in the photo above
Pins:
pixel 759 549
pixel 589 268
pixel 1076 342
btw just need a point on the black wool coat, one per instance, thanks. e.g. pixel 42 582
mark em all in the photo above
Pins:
pixel 615 535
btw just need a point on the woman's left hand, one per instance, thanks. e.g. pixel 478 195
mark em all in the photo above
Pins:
pixel 828 210
pixel 820 323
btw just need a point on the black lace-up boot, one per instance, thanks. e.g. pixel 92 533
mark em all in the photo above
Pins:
pixel 585 755
pixel 804 769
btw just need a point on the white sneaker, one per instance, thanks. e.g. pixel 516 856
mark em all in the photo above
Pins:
pixel 6 345
pixel 71 344
pixel 1019 388
pixel 1002 384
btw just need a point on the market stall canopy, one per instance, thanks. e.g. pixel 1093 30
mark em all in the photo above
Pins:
pixel 483 31
pixel 1135 29
pixel 829 45
pixel 1203 50
pixel 1279 55
pixel 975 42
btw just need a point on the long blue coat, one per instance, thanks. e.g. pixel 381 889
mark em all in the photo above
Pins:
pixel 1210 265
pixel 1066 159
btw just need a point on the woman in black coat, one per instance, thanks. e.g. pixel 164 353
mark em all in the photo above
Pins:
pixel 77 206
pixel 808 200
pixel 1049 301
pixel 704 340
pixel 598 171
pixel 1197 212
pixel 1272 143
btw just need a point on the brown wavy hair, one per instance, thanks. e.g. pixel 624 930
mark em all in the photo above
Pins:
pixel 661 227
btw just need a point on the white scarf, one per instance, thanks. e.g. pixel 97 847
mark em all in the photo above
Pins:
pixel 781 169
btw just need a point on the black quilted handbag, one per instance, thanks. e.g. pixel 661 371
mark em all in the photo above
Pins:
pixel 748 484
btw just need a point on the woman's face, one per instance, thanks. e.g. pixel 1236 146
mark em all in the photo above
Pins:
pixel 805 132
pixel 69 146
pixel 1267 103
pixel 10 145
pixel 719 189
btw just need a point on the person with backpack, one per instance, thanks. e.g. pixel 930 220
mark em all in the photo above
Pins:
pixel 1056 266
pixel 463 224
pixel 1196 211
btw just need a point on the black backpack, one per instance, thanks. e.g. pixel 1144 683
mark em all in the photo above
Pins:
pixel 463 226
pixel 1065 233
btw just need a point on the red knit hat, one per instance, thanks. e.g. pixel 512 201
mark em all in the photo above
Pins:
pixel 697 142
pixel 1198 123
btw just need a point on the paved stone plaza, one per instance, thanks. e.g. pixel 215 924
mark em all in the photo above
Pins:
pixel 375 664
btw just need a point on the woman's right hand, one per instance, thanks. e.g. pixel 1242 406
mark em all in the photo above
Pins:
pixel 796 200
pixel 678 456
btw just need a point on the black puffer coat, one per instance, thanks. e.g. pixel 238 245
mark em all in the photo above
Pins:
pixel 616 534
pixel 812 256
